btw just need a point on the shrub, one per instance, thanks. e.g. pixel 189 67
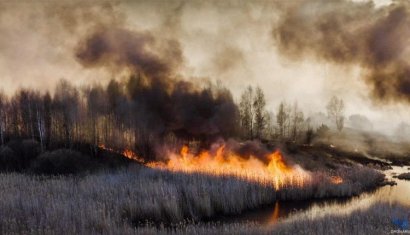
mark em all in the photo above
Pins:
pixel 18 154
pixel 8 159
pixel 30 149
pixel 404 176
pixel 63 161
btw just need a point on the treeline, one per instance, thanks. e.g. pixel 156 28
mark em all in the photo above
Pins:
pixel 140 117
pixel 287 123
pixel 69 116
pixel 121 115
pixel 259 123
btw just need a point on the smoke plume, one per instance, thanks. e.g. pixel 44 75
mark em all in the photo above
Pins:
pixel 353 33
pixel 138 51
pixel 162 101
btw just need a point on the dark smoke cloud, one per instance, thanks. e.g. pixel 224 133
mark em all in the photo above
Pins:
pixel 346 32
pixel 163 103
pixel 139 51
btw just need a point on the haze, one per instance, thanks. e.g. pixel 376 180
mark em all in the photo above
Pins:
pixel 234 43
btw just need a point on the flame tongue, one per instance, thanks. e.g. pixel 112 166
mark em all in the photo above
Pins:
pixel 223 162
pixel 276 163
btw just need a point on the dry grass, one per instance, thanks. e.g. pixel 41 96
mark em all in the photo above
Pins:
pixel 117 202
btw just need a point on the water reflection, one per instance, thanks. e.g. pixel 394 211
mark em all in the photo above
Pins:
pixel 319 208
pixel 275 215
pixel 399 193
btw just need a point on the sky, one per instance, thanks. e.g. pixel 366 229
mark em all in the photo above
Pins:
pixel 234 43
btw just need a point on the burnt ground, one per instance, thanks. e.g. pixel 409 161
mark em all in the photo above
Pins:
pixel 321 156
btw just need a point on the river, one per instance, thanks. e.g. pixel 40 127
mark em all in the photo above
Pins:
pixel 317 208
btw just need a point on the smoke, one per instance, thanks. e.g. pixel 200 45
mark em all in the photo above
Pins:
pixel 163 102
pixel 228 41
pixel 37 40
pixel 138 51
pixel 249 148
pixel 352 33
pixel 228 59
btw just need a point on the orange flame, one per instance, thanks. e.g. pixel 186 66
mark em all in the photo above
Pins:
pixel 223 162
pixel 126 153
pixel 336 180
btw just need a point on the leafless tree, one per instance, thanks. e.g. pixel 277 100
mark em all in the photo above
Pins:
pixel 335 110
pixel 297 121
pixel 259 112
pixel 66 101
pixel 247 112
pixel 282 118
pixel 270 125
pixel 40 125
pixel 47 115
pixel 3 119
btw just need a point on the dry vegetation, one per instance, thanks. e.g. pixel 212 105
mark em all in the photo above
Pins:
pixel 404 176
pixel 119 202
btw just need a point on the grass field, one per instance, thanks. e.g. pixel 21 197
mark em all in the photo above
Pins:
pixel 118 202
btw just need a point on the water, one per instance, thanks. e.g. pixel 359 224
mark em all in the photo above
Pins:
pixel 317 208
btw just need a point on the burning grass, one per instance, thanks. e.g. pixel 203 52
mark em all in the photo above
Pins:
pixel 118 202
pixel 128 153
pixel 290 182
pixel 223 162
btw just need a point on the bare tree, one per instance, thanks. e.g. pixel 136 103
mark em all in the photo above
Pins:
pixel 247 112
pixel 259 112
pixel 96 107
pixel 66 102
pixel 3 112
pixel 309 132
pixel 282 119
pixel 297 121
pixel 270 125
pixel 47 104
pixel 335 110
pixel 40 125
pixel 24 101
pixel 115 98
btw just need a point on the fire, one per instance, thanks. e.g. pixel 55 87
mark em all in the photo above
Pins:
pixel 126 153
pixel 223 162
pixel 102 146
pixel 131 155
pixel 336 180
